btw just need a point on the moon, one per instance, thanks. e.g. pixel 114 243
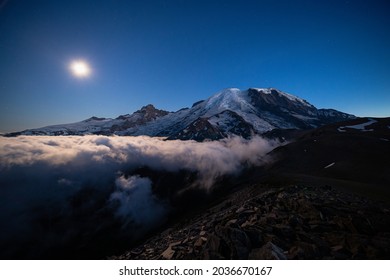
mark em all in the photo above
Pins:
pixel 80 68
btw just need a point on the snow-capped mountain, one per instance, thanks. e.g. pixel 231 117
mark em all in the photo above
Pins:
pixel 229 112
pixel 103 126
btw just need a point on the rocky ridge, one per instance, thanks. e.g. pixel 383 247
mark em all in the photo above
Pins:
pixel 296 222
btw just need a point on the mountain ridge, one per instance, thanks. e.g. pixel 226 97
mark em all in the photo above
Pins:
pixel 228 112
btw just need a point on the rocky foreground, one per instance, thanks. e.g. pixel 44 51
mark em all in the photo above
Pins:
pixel 295 222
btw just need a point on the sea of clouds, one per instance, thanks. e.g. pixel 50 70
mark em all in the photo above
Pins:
pixel 62 191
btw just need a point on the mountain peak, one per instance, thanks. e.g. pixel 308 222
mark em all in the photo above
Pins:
pixel 93 118
pixel 230 111
pixel 148 107
pixel 228 99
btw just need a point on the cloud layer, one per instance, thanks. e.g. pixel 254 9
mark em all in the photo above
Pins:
pixel 55 190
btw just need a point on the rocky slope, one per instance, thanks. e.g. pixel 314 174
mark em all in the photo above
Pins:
pixel 351 154
pixel 295 222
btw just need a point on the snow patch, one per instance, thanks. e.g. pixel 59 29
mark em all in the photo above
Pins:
pixel 287 95
pixel 264 90
pixel 361 126
pixel 329 165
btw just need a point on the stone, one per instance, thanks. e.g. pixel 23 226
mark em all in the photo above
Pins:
pixel 231 222
pixel 241 243
pixel 255 237
pixel 199 242
pixel 268 252
pixel 168 253
pixel 304 251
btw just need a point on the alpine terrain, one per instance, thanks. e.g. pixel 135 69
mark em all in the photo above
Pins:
pixel 229 112
pixel 322 194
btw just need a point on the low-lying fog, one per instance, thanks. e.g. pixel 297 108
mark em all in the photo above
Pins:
pixel 60 195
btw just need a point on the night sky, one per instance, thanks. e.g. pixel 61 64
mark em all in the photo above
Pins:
pixel 335 54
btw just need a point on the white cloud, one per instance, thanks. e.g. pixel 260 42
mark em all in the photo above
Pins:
pixel 137 204
pixel 210 159
pixel 64 177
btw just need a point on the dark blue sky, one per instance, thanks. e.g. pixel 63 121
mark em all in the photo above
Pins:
pixel 335 54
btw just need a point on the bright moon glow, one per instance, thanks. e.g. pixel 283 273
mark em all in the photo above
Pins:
pixel 80 69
